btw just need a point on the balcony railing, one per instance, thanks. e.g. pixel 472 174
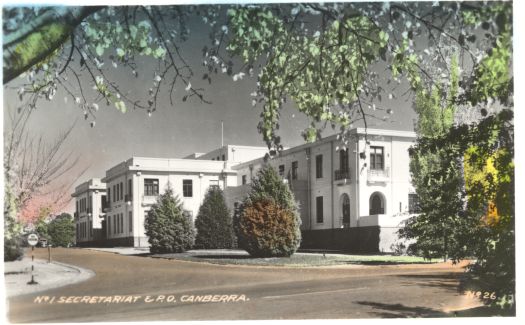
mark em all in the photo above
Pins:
pixel 341 174
pixel 378 175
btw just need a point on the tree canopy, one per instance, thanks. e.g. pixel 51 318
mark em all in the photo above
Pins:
pixel 337 62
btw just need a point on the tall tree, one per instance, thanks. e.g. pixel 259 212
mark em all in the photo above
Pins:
pixel 214 222
pixel 33 167
pixel 485 221
pixel 436 176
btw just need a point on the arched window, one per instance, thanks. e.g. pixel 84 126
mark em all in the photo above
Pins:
pixel 345 208
pixel 377 203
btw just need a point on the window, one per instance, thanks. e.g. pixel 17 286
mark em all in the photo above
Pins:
pixel 91 228
pixel 319 209
pixel 343 160
pixel 130 221
pixel 376 158
pixel 121 191
pixel 281 170
pixel 77 210
pixel 413 203
pixel 295 166
pixel 223 157
pixel 114 193
pixel 122 223
pixel 377 204
pixel 130 189
pixel 109 226
pixel 346 209
pixel 243 179
pixel 151 187
pixel 109 194
pixel 187 188
pixel 319 166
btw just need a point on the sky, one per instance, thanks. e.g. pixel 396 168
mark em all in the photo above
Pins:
pixel 172 131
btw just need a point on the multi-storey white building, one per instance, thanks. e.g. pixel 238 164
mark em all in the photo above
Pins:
pixel 352 198
pixel 89 199
pixel 134 185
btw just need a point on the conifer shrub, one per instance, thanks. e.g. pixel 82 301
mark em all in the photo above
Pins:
pixel 214 222
pixel 167 228
pixel 267 223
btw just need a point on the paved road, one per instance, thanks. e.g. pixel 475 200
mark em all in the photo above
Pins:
pixel 269 293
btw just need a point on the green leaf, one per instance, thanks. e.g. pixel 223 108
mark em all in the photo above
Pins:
pixel 121 106
pixel 120 52
pixel 133 31
pixel 99 50
pixel 159 52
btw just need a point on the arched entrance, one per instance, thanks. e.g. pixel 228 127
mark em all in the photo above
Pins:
pixel 377 203
pixel 345 209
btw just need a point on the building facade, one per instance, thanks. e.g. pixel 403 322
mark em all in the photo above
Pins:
pixel 352 198
pixel 134 185
pixel 90 198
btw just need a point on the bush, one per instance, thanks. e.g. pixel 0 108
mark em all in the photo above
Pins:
pixel 61 230
pixel 13 249
pixel 168 230
pixel 267 229
pixel 268 223
pixel 214 223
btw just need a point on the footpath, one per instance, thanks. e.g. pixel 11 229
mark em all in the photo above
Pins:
pixel 48 275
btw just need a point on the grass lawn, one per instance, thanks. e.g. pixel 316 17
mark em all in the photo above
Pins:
pixel 298 259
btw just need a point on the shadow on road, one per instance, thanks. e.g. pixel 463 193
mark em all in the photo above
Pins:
pixel 379 262
pixel 221 257
pixel 141 254
pixel 401 311
pixel 450 281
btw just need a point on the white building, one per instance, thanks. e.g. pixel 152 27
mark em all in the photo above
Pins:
pixel 353 198
pixel 134 185
pixel 89 197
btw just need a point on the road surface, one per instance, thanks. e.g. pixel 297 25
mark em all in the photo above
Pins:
pixel 136 288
